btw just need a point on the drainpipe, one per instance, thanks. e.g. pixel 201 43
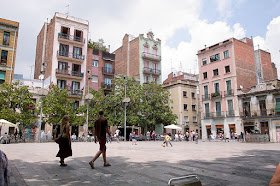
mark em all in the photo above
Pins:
pixel 13 57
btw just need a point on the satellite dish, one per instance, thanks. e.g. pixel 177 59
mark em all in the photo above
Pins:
pixel 241 86
pixel 41 77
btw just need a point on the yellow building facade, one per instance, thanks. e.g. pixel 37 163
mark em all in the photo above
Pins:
pixel 8 47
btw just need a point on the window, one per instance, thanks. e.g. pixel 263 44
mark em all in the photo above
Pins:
pixel 226 54
pixel 61 84
pixel 4 56
pixel 204 75
pixel 185 106
pixel 193 107
pixel 227 69
pixel 204 61
pixel 194 119
pixel 108 81
pixel 65 30
pixel 186 118
pixel 155 80
pixel 77 52
pixel 185 94
pixel 228 83
pixel 259 74
pixel 76 68
pixel 6 38
pixel 75 85
pixel 2 76
pixel 146 79
pixel 277 106
pixel 94 79
pixel 217 88
pixel 94 63
pixel 193 95
pixel 218 108
pixel 216 72
pixel 214 58
pixel 108 68
pixel 63 50
pixel 230 107
pixel 206 91
pixel 207 108
pixel 76 104
pixel 62 65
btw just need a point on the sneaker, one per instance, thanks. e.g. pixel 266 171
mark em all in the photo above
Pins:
pixel 91 164
pixel 107 164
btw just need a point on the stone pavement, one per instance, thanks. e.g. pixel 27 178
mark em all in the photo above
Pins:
pixel 147 163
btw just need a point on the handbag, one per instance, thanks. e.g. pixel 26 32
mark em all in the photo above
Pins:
pixel 58 139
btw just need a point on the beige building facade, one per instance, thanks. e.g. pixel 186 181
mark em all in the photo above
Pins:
pixel 185 104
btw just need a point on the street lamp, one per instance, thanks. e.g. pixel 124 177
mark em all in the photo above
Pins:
pixel 41 93
pixel 88 97
pixel 125 101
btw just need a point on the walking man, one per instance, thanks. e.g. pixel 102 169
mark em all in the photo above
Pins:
pixel 101 127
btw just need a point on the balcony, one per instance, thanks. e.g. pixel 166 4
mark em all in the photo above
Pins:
pixel 245 114
pixel 156 72
pixel 228 93
pixel 216 95
pixel 71 39
pixel 75 93
pixel 218 114
pixel 205 97
pixel 207 115
pixel 147 70
pixel 3 63
pixel 107 71
pixel 70 56
pixel 230 113
pixel 69 74
pixel 149 56
pixel 106 86
pixel 108 56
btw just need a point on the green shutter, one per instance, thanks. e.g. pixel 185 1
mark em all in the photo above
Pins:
pixel 277 107
pixel 2 75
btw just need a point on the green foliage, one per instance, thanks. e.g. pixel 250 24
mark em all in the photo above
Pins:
pixel 17 104
pixel 148 104
pixel 98 45
pixel 56 105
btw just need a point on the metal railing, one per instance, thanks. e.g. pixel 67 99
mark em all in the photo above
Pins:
pixel 205 97
pixel 218 114
pixel 147 70
pixel 151 56
pixel 107 70
pixel 77 73
pixel 62 71
pixel 71 37
pixel 230 113
pixel 71 55
pixel 228 93
pixel 106 85
pixel 208 115
pixel 75 92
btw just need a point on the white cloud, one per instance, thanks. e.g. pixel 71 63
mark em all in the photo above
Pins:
pixel 271 41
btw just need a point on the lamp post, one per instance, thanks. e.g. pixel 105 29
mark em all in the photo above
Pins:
pixel 88 97
pixel 41 93
pixel 125 101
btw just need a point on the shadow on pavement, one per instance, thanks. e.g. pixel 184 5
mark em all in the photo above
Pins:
pixel 254 168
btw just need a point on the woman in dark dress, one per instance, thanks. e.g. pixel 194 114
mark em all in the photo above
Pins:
pixel 65 141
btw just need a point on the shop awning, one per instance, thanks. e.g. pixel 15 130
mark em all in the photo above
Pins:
pixel 231 125
pixel 219 126
pixel 249 124
pixel 208 126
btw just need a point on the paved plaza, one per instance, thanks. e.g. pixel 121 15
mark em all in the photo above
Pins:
pixel 147 163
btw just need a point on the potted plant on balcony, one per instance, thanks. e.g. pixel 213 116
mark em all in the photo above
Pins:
pixel 215 94
pixel 255 113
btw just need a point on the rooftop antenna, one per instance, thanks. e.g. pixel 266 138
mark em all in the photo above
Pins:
pixel 180 67
pixel 67 13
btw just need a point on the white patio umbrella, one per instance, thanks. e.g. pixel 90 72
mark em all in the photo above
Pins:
pixel 6 123
pixel 172 127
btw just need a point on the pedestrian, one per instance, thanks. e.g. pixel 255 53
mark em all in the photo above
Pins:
pixel 101 128
pixel 117 132
pixel 166 141
pixel 196 138
pixel 187 135
pixel 108 138
pixel 16 133
pixel 154 135
pixel 65 141
pixel 193 132
pixel 133 137
pixel 4 169
pixel 191 135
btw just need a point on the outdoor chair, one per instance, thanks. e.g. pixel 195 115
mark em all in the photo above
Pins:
pixel 189 180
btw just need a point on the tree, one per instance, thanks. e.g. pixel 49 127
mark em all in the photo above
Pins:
pixel 98 45
pixel 17 104
pixel 56 105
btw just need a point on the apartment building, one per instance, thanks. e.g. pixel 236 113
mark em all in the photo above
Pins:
pixel 260 109
pixel 8 46
pixel 60 52
pixel 185 100
pixel 140 58
pixel 224 68
pixel 101 70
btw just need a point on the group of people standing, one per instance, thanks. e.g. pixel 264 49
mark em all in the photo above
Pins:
pixel 65 150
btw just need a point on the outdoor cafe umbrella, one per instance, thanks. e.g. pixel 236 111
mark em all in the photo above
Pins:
pixel 172 127
pixel 7 123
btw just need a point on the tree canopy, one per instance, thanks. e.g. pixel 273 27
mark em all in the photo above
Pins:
pixel 97 45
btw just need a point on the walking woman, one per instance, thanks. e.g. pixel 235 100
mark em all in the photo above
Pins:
pixel 65 141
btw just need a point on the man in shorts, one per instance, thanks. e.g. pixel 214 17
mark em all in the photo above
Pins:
pixel 101 127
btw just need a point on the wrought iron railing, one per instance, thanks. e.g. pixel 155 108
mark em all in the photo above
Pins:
pixel 71 37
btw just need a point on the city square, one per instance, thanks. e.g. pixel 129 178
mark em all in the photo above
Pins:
pixel 147 163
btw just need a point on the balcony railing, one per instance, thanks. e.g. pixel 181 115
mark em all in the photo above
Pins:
pixel 216 95
pixel 151 56
pixel 207 115
pixel 2 63
pixel 77 74
pixel 147 70
pixel 70 55
pixel 106 86
pixel 205 97
pixel 218 114
pixel 228 93
pixel 75 92
pixel 108 71
pixel 71 37
pixel 62 71
pixel 230 113
pixel 108 56
pixel 156 72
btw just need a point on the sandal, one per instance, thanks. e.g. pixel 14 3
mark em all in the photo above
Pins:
pixel 107 164
pixel 91 164
pixel 63 165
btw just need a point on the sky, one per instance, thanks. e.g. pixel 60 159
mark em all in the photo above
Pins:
pixel 184 26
